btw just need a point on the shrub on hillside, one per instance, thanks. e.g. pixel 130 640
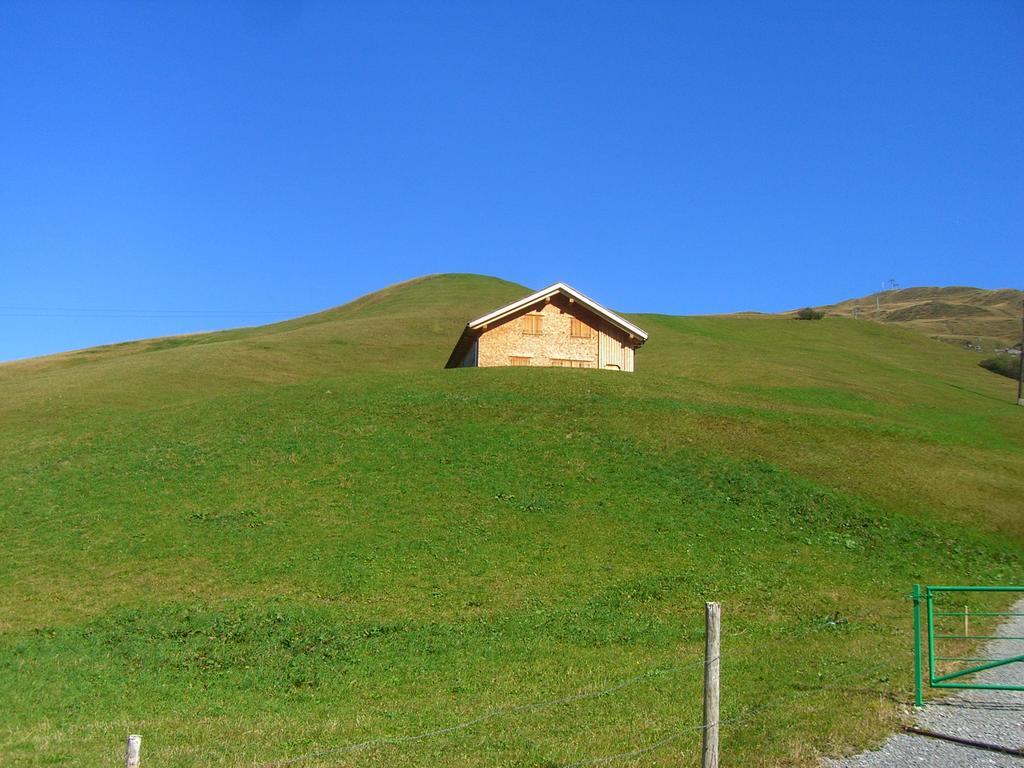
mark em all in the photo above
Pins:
pixel 809 314
pixel 1004 365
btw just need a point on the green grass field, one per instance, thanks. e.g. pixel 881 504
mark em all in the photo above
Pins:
pixel 252 545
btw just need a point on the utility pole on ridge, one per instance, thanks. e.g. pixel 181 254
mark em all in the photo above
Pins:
pixel 1020 359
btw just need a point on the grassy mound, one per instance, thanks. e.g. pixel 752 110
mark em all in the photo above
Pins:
pixel 295 538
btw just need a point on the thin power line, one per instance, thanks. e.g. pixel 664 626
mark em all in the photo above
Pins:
pixel 22 311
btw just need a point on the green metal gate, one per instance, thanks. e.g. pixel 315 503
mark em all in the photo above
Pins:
pixel 937 609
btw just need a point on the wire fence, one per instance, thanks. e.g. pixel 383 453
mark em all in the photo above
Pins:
pixel 489 715
pixel 635 752
pixel 823 682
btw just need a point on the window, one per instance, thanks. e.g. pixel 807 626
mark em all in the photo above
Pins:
pixel 564 363
pixel 531 324
pixel 579 329
pixel 519 361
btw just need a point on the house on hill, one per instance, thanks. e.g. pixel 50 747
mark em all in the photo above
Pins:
pixel 555 327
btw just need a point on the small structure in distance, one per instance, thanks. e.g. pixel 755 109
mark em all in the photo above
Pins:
pixel 554 327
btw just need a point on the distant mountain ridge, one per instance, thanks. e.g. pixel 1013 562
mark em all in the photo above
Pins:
pixel 957 314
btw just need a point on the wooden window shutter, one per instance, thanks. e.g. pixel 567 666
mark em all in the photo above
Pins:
pixel 532 324
pixel 565 363
pixel 579 329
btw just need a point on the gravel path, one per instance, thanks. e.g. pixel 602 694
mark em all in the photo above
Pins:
pixel 996 717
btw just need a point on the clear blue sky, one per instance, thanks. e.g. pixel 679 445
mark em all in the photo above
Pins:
pixel 172 167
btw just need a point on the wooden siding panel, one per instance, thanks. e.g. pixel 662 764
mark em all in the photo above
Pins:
pixel 611 352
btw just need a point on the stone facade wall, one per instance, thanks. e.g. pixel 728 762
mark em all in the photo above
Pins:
pixel 509 339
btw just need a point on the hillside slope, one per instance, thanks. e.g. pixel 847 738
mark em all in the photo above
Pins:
pixel 960 315
pixel 296 537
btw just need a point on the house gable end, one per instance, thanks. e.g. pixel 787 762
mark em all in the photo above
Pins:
pixel 573 295
pixel 557 327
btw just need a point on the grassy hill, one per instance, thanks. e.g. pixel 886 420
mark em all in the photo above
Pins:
pixel 253 545
pixel 960 315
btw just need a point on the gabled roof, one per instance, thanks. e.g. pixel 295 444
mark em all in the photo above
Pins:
pixel 547 293
pixel 473 327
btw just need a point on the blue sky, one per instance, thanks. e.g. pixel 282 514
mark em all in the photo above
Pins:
pixel 173 167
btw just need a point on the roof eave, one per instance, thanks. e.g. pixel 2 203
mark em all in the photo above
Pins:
pixel 515 306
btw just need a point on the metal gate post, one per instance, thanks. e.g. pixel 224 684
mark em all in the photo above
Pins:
pixel 931 635
pixel 918 688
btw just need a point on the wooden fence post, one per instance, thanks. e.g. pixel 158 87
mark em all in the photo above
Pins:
pixel 712 659
pixel 131 757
